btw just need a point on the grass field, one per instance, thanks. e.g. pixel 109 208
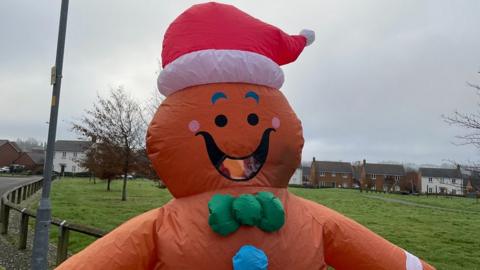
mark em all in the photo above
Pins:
pixel 446 239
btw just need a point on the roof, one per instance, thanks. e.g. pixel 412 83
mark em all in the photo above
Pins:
pixel 385 169
pixel 37 157
pixel 440 172
pixel 17 148
pixel 72 146
pixel 333 166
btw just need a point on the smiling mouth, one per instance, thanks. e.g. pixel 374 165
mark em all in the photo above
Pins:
pixel 237 168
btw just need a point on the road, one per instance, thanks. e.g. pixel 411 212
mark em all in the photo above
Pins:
pixel 7 183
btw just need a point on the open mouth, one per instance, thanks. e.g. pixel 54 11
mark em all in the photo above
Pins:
pixel 237 168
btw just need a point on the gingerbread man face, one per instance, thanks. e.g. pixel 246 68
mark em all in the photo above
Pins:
pixel 222 135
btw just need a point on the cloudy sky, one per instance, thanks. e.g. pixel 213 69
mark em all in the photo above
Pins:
pixel 374 84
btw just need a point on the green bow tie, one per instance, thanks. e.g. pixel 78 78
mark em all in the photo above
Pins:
pixel 263 210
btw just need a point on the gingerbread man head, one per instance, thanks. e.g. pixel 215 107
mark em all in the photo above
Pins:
pixel 224 122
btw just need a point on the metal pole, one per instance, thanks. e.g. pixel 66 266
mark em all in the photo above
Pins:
pixel 40 242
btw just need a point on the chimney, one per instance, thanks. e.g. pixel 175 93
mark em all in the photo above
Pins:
pixel 313 159
pixel 364 162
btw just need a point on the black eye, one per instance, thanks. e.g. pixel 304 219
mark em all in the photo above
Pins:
pixel 221 120
pixel 252 119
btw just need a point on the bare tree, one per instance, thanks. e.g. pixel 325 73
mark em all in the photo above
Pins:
pixel 470 121
pixel 118 127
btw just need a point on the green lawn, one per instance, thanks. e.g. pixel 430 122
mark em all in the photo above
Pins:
pixel 448 240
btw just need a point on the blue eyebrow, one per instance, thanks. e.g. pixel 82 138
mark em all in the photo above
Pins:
pixel 251 94
pixel 217 96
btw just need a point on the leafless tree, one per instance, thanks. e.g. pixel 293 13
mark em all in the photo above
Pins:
pixel 117 125
pixel 469 121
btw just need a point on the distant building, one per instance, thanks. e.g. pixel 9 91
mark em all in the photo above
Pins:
pixel 32 161
pixel 9 152
pixel 382 177
pixel 297 177
pixel 68 154
pixel 441 180
pixel 331 174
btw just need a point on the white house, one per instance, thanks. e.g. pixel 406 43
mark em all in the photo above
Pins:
pixel 440 180
pixel 297 177
pixel 68 154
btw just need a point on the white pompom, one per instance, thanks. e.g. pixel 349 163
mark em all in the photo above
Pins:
pixel 309 35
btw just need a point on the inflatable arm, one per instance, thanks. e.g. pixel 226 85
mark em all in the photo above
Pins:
pixel 130 246
pixel 349 245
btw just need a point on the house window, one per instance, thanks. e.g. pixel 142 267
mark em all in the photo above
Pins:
pixel 397 178
pixel 454 192
pixel 334 174
pixel 74 154
pixel 64 155
pixel 322 174
pixel 429 190
pixel 373 176
pixel 74 168
pixel 454 181
pixel 430 180
pixel 442 180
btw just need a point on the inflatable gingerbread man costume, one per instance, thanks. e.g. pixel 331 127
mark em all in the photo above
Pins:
pixel 225 141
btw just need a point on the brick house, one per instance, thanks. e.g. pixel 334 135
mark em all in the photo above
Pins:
pixel 9 152
pixel 331 174
pixel 382 177
pixel 33 161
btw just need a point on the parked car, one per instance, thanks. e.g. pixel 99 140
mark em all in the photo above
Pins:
pixel 129 177
pixel 5 169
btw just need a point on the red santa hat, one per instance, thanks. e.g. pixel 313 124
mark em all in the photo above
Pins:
pixel 213 43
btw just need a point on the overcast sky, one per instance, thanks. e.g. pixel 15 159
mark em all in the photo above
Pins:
pixel 373 85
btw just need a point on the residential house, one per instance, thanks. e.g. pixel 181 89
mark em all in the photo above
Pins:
pixel 297 177
pixel 441 180
pixel 68 154
pixel 32 161
pixel 382 177
pixel 9 152
pixel 331 174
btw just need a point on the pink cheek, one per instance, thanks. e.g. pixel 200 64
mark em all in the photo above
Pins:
pixel 194 126
pixel 275 122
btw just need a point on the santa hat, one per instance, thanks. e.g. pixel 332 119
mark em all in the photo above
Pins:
pixel 213 43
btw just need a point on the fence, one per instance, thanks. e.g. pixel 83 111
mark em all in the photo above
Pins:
pixel 11 200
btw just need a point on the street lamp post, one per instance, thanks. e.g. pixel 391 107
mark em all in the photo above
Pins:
pixel 44 215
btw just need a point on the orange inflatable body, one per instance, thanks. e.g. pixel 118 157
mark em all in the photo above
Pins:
pixel 178 236
pixel 225 142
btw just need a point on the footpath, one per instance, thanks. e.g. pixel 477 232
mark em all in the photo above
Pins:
pixel 409 203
